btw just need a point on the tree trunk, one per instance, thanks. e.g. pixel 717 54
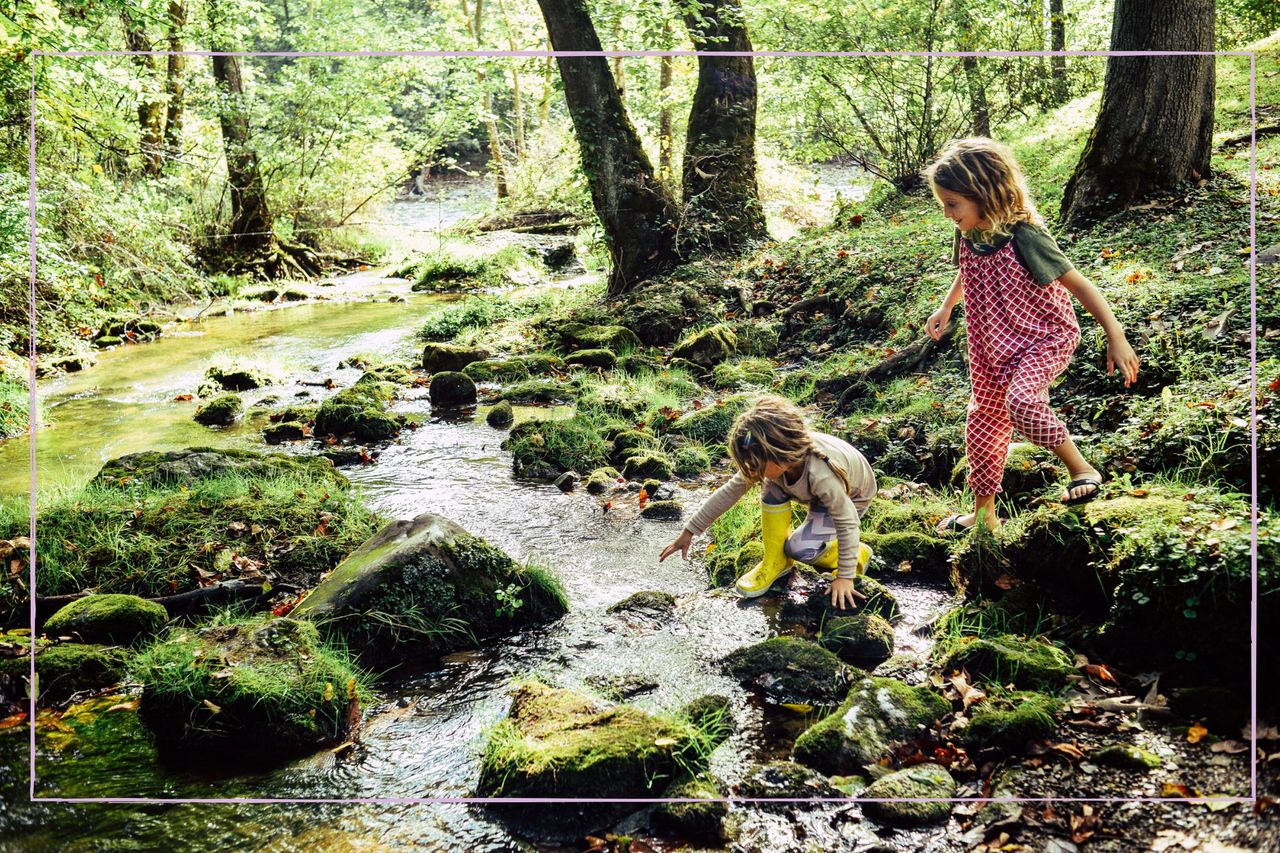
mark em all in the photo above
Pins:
pixel 1057 42
pixel 1155 126
pixel 977 97
pixel 175 86
pixel 490 123
pixel 517 101
pixel 666 140
pixel 721 203
pixel 544 103
pixel 251 230
pixel 637 213
pixel 150 109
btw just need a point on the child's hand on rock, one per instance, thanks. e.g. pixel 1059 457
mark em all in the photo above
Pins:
pixel 682 543
pixel 844 595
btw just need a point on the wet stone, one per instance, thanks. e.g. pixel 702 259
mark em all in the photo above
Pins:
pixel 646 602
pixel 500 415
pixel 789 670
pixel 662 511
pixel 913 785
pixel 450 388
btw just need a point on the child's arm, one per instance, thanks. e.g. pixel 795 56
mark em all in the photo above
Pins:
pixel 720 501
pixel 938 320
pixel 831 494
pixel 1119 354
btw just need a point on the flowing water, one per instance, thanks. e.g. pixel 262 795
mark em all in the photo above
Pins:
pixel 424 738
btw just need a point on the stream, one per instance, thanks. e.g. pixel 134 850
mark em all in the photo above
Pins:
pixel 423 738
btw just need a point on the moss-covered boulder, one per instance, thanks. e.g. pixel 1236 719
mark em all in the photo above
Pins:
pixel 876 713
pixel 644 465
pixel 360 411
pixel 1125 756
pixel 222 410
pixel 710 424
pixel 811 606
pixel 662 511
pixel 647 603
pixel 789 670
pixel 63 669
pixel 501 415
pixel 238 378
pixel 757 337
pixel 563 744
pixel 708 347
pixel 690 461
pixel 536 391
pixel 602 480
pixel 744 373
pixel 912 788
pixel 863 640
pixel 1010 721
pixel 913 550
pixel 282 432
pixel 156 468
pixel 449 388
pixel 425 587
pixel 440 357
pixel 545 449
pixel 266 686
pixel 699 822
pixel 784 780
pixel 628 441
pixel 497 370
pixel 541 363
pixel 601 358
pixel 616 339
pixel 114 619
pixel 1008 659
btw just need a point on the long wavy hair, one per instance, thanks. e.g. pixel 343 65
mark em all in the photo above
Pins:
pixel 773 429
pixel 985 172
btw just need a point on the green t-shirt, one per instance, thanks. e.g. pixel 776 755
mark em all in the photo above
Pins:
pixel 1033 246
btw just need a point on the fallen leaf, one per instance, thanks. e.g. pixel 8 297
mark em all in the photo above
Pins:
pixel 1175 789
pixel 16 720
pixel 1196 733
pixel 1223 523
pixel 1099 672
pixel 212 707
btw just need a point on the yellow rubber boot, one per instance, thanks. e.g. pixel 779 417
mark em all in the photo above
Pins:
pixel 829 558
pixel 775 524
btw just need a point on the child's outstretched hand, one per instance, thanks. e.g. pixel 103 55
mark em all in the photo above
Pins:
pixel 1120 356
pixel 937 323
pixel 682 543
pixel 844 595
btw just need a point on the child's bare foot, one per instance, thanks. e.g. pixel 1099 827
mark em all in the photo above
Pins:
pixel 1084 486
pixel 957 523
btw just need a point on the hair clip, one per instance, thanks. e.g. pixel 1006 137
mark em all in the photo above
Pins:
pixel 744 441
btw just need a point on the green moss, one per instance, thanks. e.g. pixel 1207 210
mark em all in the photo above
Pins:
pixel 920 793
pixel 876 713
pixel 1125 756
pixel 460 264
pixel 617 339
pixel 708 347
pixel 1010 721
pixel 497 370
pixel 791 670
pixel 546 449
pixel 238 378
pixel 536 391
pixel 220 411
pixel 64 669
pixel 865 639
pixel 112 618
pixel 700 822
pixel 632 440
pixel 756 337
pixel 1006 659
pixel 926 554
pixel 744 373
pixel 643 465
pixel 689 461
pixel 601 358
pixel 501 415
pixel 602 479
pixel 711 424
pixel 440 356
pixel 450 388
pixel 360 411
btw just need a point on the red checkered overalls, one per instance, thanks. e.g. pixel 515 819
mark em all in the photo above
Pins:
pixel 1021 336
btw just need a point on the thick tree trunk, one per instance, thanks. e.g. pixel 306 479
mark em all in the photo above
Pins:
pixel 251 223
pixel 1155 126
pixel 150 109
pixel 1057 42
pixel 175 85
pixel 721 201
pixel 977 97
pixel 637 213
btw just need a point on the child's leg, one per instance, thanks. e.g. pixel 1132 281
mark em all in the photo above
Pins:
pixel 814 537
pixel 986 440
pixel 775 526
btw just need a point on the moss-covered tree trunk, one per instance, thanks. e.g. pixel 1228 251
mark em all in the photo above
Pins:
pixel 636 211
pixel 150 108
pixel 1057 42
pixel 666 140
pixel 175 85
pixel 1155 127
pixel 252 228
pixel 722 207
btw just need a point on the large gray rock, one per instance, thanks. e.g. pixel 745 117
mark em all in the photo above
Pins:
pixel 441 357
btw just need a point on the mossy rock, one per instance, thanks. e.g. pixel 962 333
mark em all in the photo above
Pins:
pixel 238 378
pixel 114 619
pixel 647 603
pixel 601 358
pixel 699 822
pixel 757 337
pixel 360 411
pixel 104 341
pixel 1125 756
pixel 222 410
pixel 450 388
pixel 662 511
pixel 744 373
pixel 65 669
pixel 928 555
pixel 1028 472
pixel 789 670
pixel 440 357
pixel 815 608
pixel 562 744
pixel 710 425
pixel 1010 721
pixel 616 339
pixel 546 449
pixel 863 640
pixel 644 465
pixel 784 780
pixel 282 432
pixel 535 391
pixel 541 364
pixel 438 582
pixel 602 480
pixel 688 462
pixel 660 312
pixel 708 347
pixel 638 364
pixel 876 713
pixel 910 787
pixel 158 468
pixel 633 440
pixel 396 373
pixel 1008 659
pixel 264 687
pixel 501 415
pixel 497 370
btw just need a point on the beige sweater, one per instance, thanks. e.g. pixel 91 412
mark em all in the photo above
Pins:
pixel 817 482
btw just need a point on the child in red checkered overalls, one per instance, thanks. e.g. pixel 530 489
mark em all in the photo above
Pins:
pixel 1017 288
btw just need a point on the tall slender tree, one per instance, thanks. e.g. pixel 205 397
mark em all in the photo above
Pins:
pixel 150 106
pixel 175 83
pixel 1057 42
pixel 475 23
pixel 721 202
pixel 636 211
pixel 1155 127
